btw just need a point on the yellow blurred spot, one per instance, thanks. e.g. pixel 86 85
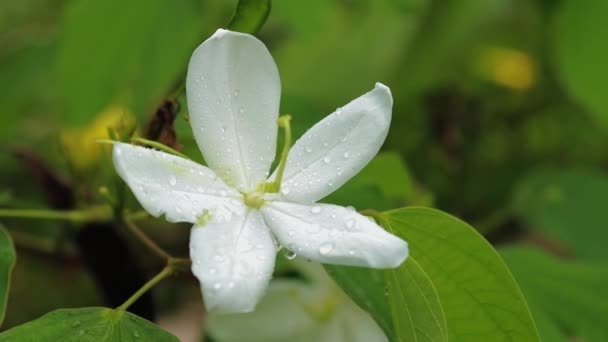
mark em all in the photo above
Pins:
pixel 507 67
pixel 80 144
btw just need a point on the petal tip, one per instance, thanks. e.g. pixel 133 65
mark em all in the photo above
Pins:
pixel 382 86
pixel 220 33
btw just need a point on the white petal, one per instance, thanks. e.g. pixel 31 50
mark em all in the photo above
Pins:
pixel 233 260
pixel 170 185
pixel 334 235
pixel 234 90
pixel 338 147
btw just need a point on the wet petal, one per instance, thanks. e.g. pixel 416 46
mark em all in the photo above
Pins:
pixel 234 90
pixel 338 147
pixel 170 185
pixel 233 260
pixel 334 235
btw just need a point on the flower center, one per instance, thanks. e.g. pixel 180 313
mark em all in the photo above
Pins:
pixel 254 199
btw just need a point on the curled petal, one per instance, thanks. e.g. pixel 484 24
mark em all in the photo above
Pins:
pixel 233 260
pixel 334 235
pixel 170 185
pixel 338 147
pixel 234 91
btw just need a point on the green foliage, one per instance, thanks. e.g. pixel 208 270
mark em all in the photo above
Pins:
pixel 250 15
pixel 567 297
pixel 403 301
pixel 7 262
pixel 479 297
pixel 87 324
pixel 581 52
pixel 565 204
pixel 126 52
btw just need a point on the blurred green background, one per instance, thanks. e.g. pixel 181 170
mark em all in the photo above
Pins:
pixel 500 118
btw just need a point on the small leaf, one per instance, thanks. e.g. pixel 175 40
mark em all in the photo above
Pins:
pixel 567 205
pixel 479 296
pixel 250 15
pixel 403 300
pixel 567 298
pixel 7 262
pixel 87 324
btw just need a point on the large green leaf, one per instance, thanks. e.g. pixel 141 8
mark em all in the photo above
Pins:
pixel 250 15
pixel 87 324
pixel 124 51
pixel 403 301
pixel 567 205
pixel 479 296
pixel 581 53
pixel 7 262
pixel 567 298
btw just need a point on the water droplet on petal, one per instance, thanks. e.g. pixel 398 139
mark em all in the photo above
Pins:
pixel 326 160
pixel 315 209
pixel 290 255
pixel 350 223
pixel 292 233
pixel 346 155
pixel 212 271
pixel 172 180
pixel 217 286
pixel 308 149
pixel 326 248
pixel 351 252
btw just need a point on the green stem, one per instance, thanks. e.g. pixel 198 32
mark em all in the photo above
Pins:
pixel 159 146
pixel 100 213
pixel 135 230
pixel 284 122
pixel 166 272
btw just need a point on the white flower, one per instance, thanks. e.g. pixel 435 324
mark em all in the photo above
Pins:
pixel 233 90
pixel 316 308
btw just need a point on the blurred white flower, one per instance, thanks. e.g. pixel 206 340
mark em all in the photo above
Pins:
pixel 314 309
pixel 238 212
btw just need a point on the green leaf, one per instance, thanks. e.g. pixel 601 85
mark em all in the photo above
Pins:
pixel 479 296
pixel 124 52
pixel 250 15
pixel 7 263
pixel 403 300
pixel 581 52
pixel 87 324
pixel 568 205
pixel 567 298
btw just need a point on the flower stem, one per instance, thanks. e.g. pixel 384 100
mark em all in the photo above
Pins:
pixel 159 146
pixel 284 122
pixel 166 272
pixel 99 213
pixel 145 239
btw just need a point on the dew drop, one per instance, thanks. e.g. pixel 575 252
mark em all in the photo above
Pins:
pixel 223 128
pixel 236 93
pixel 346 155
pixel 350 223
pixel 285 191
pixel 308 149
pixel 172 180
pixel 326 160
pixel 217 286
pixel 135 334
pixel 315 209
pixel 241 110
pixel 292 233
pixel 212 271
pixel 289 254
pixel 326 248
pixel 231 285
pixel 351 252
